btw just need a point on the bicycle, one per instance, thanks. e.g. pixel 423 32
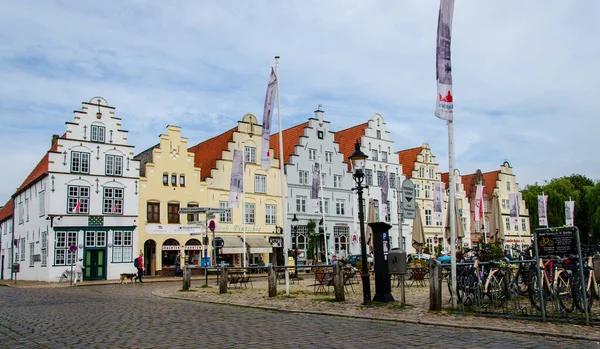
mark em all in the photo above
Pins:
pixel 590 285
pixel 556 285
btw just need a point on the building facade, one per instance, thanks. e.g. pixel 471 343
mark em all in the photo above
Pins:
pixel 376 142
pixel 463 204
pixel 259 217
pixel 6 240
pixel 80 201
pixel 310 148
pixel 169 181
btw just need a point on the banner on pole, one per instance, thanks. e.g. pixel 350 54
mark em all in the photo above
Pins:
pixel 543 209
pixel 237 178
pixel 265 157
pixel 384 193
pixel 437 202
pixel 570 213
pixel 316 185
pixel 513 204
pixel 478 203
pixel 445 105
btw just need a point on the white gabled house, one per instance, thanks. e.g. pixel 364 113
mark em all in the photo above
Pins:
pixel 80 201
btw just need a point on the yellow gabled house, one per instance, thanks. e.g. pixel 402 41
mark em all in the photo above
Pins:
pixel 169 181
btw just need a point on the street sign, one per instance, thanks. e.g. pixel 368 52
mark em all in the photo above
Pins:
pixel 408 199
pixel 198 234
pixel 73 248
pixel 191 210
pixel 212 225
pixel 218 242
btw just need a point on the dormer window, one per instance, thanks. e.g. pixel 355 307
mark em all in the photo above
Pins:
pixel 378 134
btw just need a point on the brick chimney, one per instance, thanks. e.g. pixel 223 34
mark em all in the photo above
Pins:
pixel 54 139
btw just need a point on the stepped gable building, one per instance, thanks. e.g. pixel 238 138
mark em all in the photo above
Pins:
pixel 499 183
pixel 376 142
pixel 308 146
pixel 419 166
pixel 463 204
pixel 170 181
pixel 80 201
pixel 6 239
pixel 260 213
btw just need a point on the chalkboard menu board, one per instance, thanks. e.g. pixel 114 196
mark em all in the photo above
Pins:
pixel 557 243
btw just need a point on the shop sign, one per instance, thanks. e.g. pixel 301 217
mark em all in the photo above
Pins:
pixel 275 241
pixel 193 247
pixel 175 229
pixel 171 248
pixel 341 224
pixel 240 228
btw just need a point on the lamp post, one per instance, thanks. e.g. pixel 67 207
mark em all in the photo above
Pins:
pixel 357 159
pixel 294 237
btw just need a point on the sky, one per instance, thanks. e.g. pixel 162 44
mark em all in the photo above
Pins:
pixel 526 74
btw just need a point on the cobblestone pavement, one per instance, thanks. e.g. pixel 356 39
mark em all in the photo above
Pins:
pixel 132 316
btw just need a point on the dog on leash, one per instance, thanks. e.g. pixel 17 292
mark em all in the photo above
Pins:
pixel 127 277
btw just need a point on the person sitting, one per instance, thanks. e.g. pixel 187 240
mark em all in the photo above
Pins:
pixel 444 258
pixel 333 260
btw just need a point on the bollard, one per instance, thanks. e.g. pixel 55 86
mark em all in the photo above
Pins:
pixel 272 279
pixel 435 285
pixel 223 281
pixel 338 282
pixel 187 278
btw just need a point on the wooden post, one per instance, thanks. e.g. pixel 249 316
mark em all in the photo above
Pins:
pixel 187 278
pixel 403 297
pixel 272 279
pixel 435 285
pixel 223 281
pixel 338 282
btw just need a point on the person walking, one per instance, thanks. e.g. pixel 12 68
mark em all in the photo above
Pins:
pixel 78 272
pixel 140 267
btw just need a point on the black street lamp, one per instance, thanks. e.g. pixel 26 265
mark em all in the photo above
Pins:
pixel 294 239
pixel 357 159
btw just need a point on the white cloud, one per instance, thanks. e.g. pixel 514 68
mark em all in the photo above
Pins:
pixel 525 74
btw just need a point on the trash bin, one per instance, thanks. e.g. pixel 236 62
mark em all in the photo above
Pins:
pixel 397 261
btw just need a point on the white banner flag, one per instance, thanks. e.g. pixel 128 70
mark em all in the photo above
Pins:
pixel 265 157
pixel 478 203
pixel 437 202
pixel 513 204
pixel 384 193
pixel 543 209
pixel 237 178
pixel 316 186
pixel 570 213
pixel 444 106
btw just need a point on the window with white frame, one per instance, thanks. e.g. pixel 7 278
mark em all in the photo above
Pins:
pixel 378 134
pixel 122 246
pixel 21 213
pixel 486 226
pixel 63 240
pixel 431 176
pixel 249 219
pixel 260 183
pixel 113 201
pixel 97 133
pixel 31 247
pixel 22 248
pixel 225 216
pixel 312 154
pixel 182 180
pixel 368 176
pixel 114 165
pixel 417 190
pixel 250 154
pixel 339 207
pixel 271 214
pixel 165 179
pixel 374 154
pixel 174 179
pixel 387 212
pixel 384 156
pixel 326 204
pixel 464 223
pixel 421 172
pixel 323 179
pixel 517 226
pixel 78 199
pixel 427 191
pixel 508 186
pixel 42 198
pixel 392 180
pixel 303 177
pixel 95 239
pixel 301 204
pixel 376 209
pixel 328 157
pixel 430 244
pixel 337 181
pixel 80 162
pixel 428 217
pixel 380 175
pixel 44 249
pixel 341 240
pixel 485 205
pixel 524 224
pixel 27 209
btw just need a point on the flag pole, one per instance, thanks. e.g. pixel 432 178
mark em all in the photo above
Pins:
pixel 244 263
pixel 286 240
pixel 452 203
pixel 326 238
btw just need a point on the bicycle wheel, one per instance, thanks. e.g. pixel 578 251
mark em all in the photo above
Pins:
pixel 534 293
pixel 495 292
pixel 579 288
pixel 564 292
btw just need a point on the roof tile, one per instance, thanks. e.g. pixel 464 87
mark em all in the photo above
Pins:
pixel 407 159
pixel 291 138
pixel 7 210
pixel 346 139
pixel 208 152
